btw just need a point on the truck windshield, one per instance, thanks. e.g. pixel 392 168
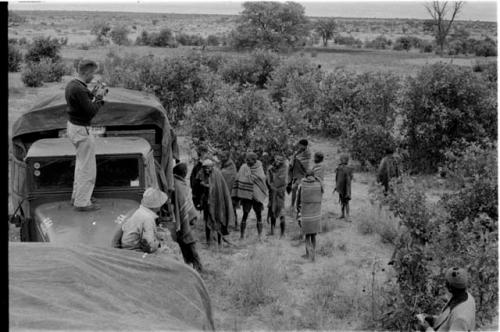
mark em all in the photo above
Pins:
pixel 58 174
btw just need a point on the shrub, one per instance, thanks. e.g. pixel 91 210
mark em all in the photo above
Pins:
pixel 43 47
pixel 15 58
pixel 32 74
pixel 348 40
pixel 488 70
pixel 213 40
pixel 486 47
pixel 366 226
pixel 119 35
pixel 143 38
pixel 189 40
pixel 101 30
pixel 426 46
pixel 380 42
pixel 253 69
pixel 367 143
pixel 444 104
pixel 402 43
pixel 164 38
pixel 52 71
pixel 257 279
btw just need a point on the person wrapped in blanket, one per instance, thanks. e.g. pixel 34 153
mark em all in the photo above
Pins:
pixel 138 232
pixel 277 179
pixel 299 165
pixel 215 201
pixel 185 216
pixel 251 190
pixel 343 179
pixel 309 196
pixel 229 171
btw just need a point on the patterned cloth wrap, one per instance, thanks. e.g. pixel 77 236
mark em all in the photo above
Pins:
pixel 250 183
pixel 229 172
pixel 299 166
pixel 277 179
pixel 184 211
pixel 219 202
pixel 311 193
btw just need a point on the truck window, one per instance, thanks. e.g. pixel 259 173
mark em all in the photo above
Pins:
pixel 111 172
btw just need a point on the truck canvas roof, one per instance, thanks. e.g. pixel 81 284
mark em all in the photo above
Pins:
pixel 61 147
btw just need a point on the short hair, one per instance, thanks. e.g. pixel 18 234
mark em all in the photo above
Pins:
pixel 304 142
pixel 180 169
pixel 251 155
pixel 319 155
pixel 85 66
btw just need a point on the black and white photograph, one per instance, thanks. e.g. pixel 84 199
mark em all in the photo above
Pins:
pixel 252 165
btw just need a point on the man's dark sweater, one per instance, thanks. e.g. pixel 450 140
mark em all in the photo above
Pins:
pixel 81 109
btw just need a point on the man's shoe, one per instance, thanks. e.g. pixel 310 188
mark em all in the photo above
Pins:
pixel 91 207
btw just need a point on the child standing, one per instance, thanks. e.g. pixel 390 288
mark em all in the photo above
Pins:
pixel 343 178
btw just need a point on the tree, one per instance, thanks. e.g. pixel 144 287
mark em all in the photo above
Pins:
pixel 439 10
pixel 272 25
pixel 119 35
pixel 325 28
pixel 101 31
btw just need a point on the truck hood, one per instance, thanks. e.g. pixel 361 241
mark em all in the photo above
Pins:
pixel 63 225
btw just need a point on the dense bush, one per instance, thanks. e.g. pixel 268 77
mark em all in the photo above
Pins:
pixel 15 58
pixel 252 69
pixel 486 47
pixel 443 104
pixel 402 43
pixel 426 46
pixel 101 31
pixel 119 35
pixel 380 42
pixel 14 18
pixel 240 121
pixel 43 47
pixel 164 38
pixel 348 40
pixel 189 40
pixel 367 143
pixel 213 40
pixel 33 74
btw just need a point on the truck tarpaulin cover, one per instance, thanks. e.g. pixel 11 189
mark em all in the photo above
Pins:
pixel 79 287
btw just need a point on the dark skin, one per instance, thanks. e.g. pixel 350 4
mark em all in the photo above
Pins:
pixel 251 160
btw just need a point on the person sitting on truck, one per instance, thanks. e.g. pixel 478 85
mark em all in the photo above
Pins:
pixel 83 105
pixel 139 231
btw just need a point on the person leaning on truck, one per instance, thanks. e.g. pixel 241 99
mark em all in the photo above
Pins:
pixel 138 232
pixel 83 105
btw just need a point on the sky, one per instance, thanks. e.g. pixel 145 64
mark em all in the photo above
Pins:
pixel 472 10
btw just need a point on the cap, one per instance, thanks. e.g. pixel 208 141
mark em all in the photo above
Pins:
pixel 153 198
pixel 456 277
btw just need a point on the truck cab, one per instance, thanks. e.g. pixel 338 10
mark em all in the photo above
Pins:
pixel 133 152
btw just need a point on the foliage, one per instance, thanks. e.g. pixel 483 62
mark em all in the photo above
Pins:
pixel 189 40
pixel 164 38
pixel 15 18
pixel 252 69
pixel 43 47
pixel 271 25
pixel 380 42
pixel 443 19
pixel 325 28
pixel 213 40
pixel 240 120
pixel 348 40
pixel 426 46
pixel 32 74
pixel 119 35
pixel 486 47
pixel 101 30
pixel 15 58
pixel 402 43
pixel 367 143
pixel 443 104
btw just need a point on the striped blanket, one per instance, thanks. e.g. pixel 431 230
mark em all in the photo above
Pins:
pixel 300 165
pixel 309 202
pixel 184 210
pixel 250 183
pixel 319 172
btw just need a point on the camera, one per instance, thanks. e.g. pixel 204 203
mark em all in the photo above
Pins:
pixel 100 86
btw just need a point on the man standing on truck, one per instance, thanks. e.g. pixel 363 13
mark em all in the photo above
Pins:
pixel 83 105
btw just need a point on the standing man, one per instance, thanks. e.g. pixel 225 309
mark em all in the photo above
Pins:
pixel 215 201
pixel 229 171
pixel 251 189
pixel 343 178
pixel 310 194
pixel 139 231
pixel 194 180
pixel 83 105
pixel 387 169
pixel 277 179
pixel 185 216
pixel 299 166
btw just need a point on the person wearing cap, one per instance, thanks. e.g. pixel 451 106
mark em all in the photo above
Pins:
pixel 309 197
pixel 215 202
pixel 343 178
pixel 299 165
pixel 185 216
pixel 138 232
pixel 459 313
pixel 387 169
pixel 250 189
pixel 276 181
pixel 83 105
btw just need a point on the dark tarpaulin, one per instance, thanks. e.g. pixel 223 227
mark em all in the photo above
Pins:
pixel 58 287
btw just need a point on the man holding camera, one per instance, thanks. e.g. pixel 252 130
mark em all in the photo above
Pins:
pixel 83 105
